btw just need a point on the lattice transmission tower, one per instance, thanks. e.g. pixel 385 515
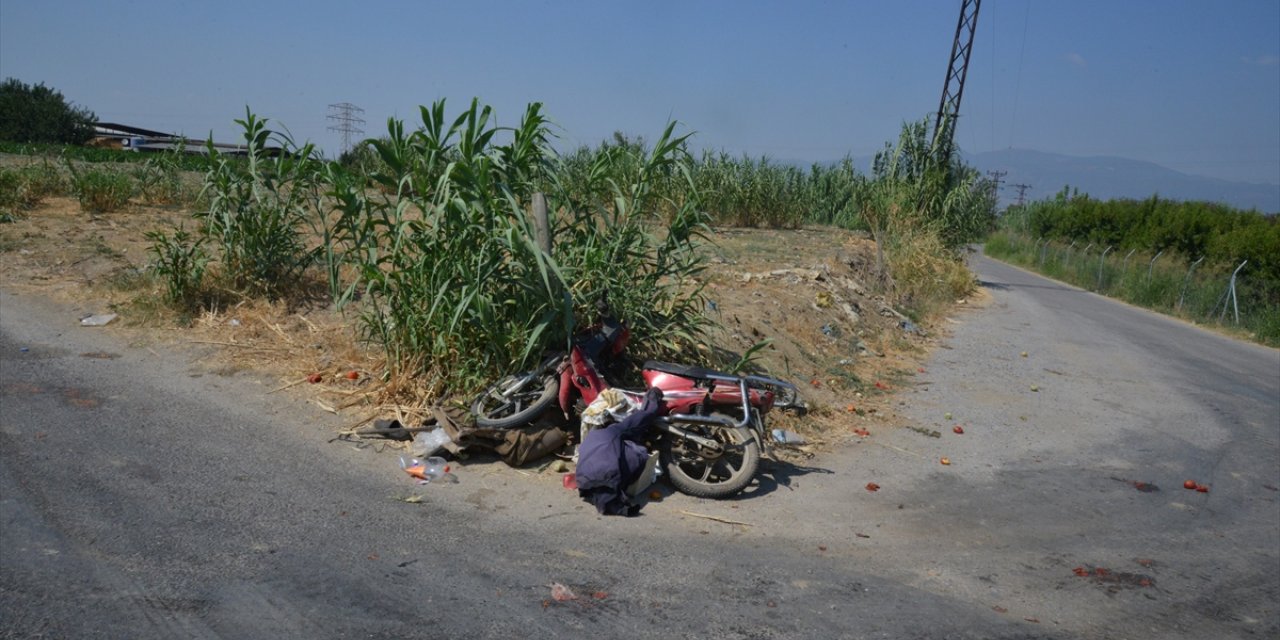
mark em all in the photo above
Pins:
pixel 953 89
pixel 346 121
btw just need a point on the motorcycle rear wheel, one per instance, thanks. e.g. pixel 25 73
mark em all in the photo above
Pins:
pixel 493 410
pixel 714 476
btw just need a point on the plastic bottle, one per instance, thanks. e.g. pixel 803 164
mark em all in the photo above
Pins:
pixel 434 467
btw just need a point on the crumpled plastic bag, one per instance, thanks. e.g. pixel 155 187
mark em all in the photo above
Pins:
pixel 610 406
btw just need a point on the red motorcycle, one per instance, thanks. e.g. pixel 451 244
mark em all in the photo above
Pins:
pixel 710 429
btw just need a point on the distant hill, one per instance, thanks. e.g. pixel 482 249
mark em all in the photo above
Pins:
pixel 1108 177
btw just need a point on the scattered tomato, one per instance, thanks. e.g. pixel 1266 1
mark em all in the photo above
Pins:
pixel 861 432
pixel 655 495
pixel 1145 582
pixel 873 487
pixel 314 378
pixel 353 375
pixel 599 595
pixel 1080 571
pixel 1190 485
pixel 815 382
pixel 958 429
pixel 851 408
pixel 1202 489
pixel 822 547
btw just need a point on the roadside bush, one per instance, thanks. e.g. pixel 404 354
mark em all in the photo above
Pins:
pixel 102 190
pixel 161 183
pixel 43 180
pixel 180 262
pixel 100 155
pixel 456 288
pixel 258 208
pixel 25 187
pixel 11 197
pixel 1165 283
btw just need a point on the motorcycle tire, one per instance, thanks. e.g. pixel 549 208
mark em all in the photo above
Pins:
pixel 494 411
pixel 718 477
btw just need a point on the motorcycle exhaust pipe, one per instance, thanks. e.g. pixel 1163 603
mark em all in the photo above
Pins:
pixel 665 425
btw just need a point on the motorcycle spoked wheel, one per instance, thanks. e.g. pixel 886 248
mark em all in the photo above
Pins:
pixel 493 410
pixel 720 475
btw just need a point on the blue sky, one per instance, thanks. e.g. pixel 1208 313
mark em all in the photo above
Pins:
pixel 1192 85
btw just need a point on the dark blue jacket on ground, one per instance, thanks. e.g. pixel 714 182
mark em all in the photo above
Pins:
pixel 610 459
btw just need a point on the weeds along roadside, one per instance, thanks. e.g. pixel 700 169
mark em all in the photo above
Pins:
pixel 433 253
pixel 422 236
pixel 153 179
pixel 1165 282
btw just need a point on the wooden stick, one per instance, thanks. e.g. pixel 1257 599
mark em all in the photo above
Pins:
pixel 350 429
pixel 276 328
pixel 235 344
pixel 897 449
pixel 716 518
pixel 291 384
pixel 314 328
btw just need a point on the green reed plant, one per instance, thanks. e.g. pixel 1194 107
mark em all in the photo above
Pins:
pixel 258 208
pixel 101 190
pixel 180 262
pixel 454 286
pixel 160 180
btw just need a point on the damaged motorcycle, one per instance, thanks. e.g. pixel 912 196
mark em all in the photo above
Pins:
pixel 710 430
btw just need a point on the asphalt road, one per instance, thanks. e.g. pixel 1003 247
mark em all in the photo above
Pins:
pixel 146 495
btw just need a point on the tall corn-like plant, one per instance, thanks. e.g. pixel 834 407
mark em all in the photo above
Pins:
pixel 610 248
pixel 455 286
pixel 915 186
pixel 257 209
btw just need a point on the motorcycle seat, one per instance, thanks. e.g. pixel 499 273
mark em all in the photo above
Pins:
pixel 684 371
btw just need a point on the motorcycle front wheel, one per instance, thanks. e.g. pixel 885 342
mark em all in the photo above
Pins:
pixel 515 400
pixel 704 474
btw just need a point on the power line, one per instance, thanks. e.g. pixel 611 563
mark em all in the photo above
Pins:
pixel 1017 87
pixel 344 114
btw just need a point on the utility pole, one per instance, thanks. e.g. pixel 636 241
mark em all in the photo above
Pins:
pixel 949 109
pixel 995 179
pixel 345 115
pixel 1022 193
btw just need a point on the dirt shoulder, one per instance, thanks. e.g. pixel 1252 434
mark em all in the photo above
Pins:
pixel 802 290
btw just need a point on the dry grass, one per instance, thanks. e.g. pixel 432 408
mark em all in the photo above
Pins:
pixel 58 251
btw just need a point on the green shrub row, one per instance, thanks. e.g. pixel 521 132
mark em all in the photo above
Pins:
pixel 1163 282
pixel 1191 230
pixel 183 161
